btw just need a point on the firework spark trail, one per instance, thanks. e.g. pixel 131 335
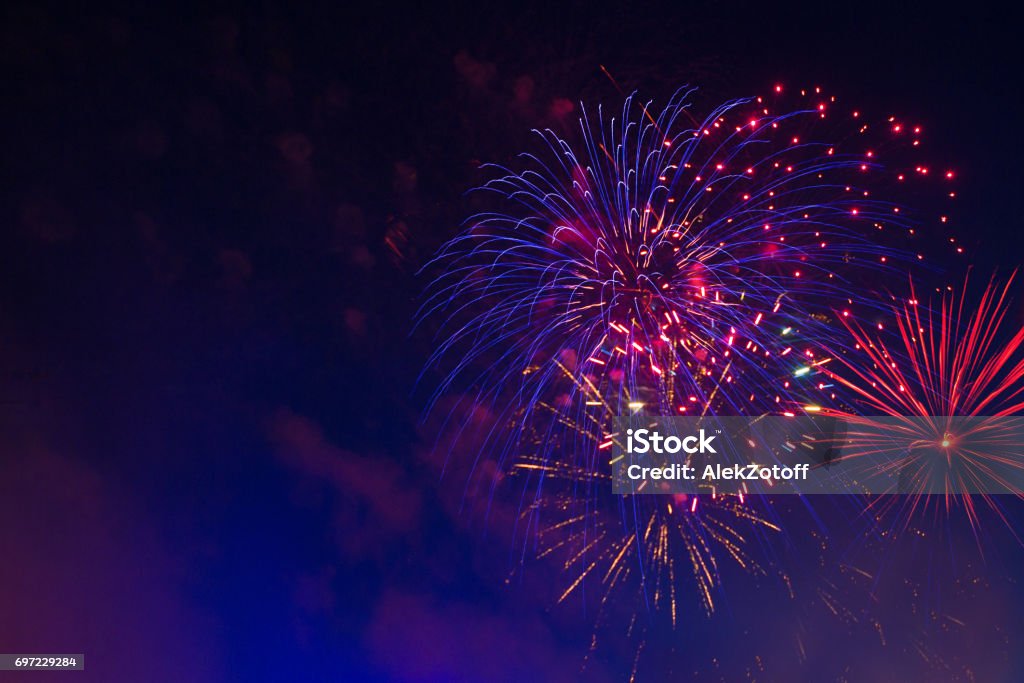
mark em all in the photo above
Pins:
pixel 963 358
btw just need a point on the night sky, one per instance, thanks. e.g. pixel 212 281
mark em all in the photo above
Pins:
pixel 215 467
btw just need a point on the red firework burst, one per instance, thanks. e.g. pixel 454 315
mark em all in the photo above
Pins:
pixel 933 398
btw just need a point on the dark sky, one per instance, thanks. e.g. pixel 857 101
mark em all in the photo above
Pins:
pixel 212 221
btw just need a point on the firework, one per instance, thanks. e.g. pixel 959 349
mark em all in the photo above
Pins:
pixel 662 541
pixel 626 559
pixel 668 253
pixel 662 265
pixel 946 378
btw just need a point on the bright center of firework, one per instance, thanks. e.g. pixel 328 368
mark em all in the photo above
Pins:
pixel 946 441
pixel 638 291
